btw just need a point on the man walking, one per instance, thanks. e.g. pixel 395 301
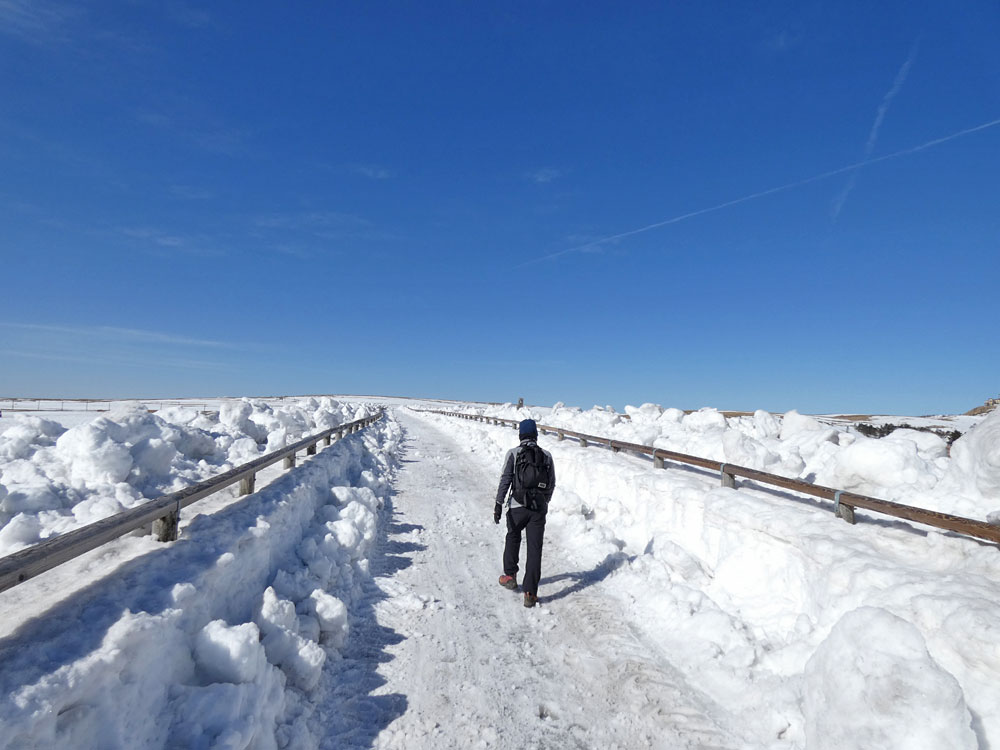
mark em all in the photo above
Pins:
pixel 530 476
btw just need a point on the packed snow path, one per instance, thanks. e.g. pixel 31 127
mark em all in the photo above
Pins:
pixel 444 657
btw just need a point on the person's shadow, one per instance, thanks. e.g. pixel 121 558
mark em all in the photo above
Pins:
pixel 585 578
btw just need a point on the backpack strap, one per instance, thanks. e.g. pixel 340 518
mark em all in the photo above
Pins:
pixel 513 474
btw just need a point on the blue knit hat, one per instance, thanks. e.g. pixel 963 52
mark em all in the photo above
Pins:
pixel 527 429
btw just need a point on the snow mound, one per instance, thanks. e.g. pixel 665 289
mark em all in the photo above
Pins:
pixel 224 633
pixel 871 683
pixel 53 480
pixel 976 458
pixel 908 466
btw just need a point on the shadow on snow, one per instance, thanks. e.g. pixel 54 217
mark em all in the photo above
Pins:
pixel 351 715
pixel 585 578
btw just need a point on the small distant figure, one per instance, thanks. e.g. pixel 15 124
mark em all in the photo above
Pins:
pixel 530 476
pixel 520 403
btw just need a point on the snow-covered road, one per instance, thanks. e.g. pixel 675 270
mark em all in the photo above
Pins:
pixel 444 657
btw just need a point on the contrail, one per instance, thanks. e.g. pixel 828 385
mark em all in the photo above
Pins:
pixel 763 193
pixel 883 109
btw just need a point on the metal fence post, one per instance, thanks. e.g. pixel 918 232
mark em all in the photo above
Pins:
pixel 840 510
pixel 728 480
pixel 247 484
pixel 165 529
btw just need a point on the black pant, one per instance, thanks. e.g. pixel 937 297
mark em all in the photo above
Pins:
pixel 533 522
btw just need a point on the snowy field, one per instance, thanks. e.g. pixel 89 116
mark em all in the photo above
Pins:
pixel 351 602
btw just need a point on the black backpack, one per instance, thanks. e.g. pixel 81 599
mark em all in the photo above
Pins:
pixel 532 477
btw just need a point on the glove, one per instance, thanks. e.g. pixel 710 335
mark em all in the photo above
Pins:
pixel 497 512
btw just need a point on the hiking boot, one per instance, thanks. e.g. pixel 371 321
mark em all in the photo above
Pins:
pixel 508 582
pixel 530 600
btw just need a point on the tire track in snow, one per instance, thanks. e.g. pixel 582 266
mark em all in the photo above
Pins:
pixel 462 664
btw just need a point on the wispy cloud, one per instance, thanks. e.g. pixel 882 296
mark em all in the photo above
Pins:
pixel 191 193
pixel 158 241
pixel 185 15
pixel 54 23
pixel 312 220
pixel 372 171
pixel 131 335
pixel 543 175
pixel 203 131
pixel 36 21
pixel 116 346
pixel 883 110
pixel 154 236
pixel 784 40
pixel 121 361
pixel 322 225
pixel 590 246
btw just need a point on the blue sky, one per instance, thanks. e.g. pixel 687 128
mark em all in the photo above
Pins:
pixel 416 198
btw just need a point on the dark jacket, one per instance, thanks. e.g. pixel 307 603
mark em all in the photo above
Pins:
pixel 507 477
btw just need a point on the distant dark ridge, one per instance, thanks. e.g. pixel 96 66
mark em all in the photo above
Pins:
pixel 882 430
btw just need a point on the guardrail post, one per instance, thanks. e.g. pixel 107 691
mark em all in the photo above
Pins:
pixel 165 529
pixel 728 480
pixel 583 442
pixel 657 462
pixel 841 510
pixel 847 513
pixel 614 448
pixel 562 435
pixel 247 484
pixel 290 461
pixel 311 450
pixel 326 441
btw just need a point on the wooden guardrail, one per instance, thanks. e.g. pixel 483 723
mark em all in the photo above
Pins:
pixel 844 502
pixel 163 512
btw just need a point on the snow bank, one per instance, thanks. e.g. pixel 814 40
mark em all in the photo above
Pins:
pixel 215 640
pixel 975 466
pixel 761 598
pixel 908 466
pixel 872 683
pixel 53 479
